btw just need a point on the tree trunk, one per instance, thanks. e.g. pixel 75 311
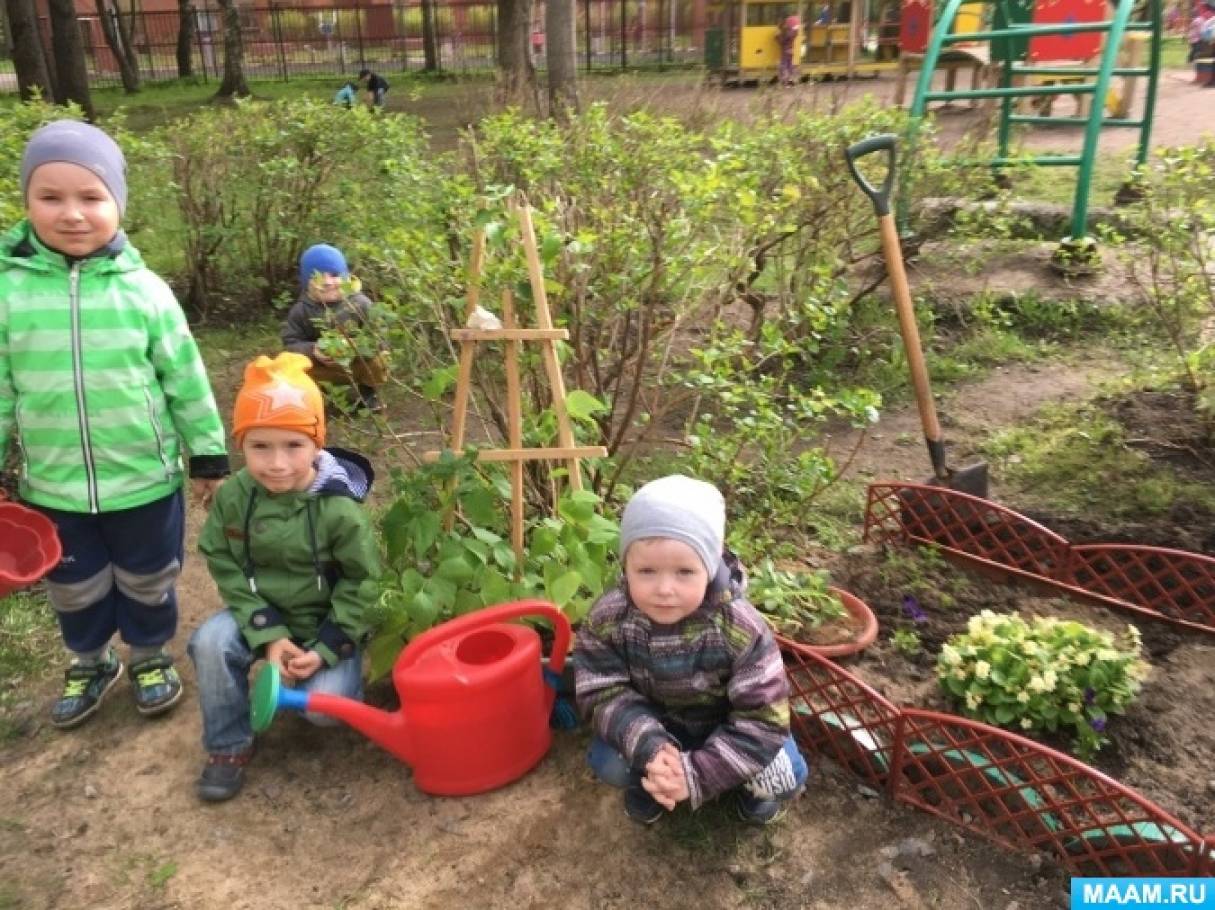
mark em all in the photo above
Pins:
pixel 561 55
pixel 430 44
pixel 29 59
pixel 234 84
pixel 185 39
pixel 118 37
pixel 71 74
pixel 516 74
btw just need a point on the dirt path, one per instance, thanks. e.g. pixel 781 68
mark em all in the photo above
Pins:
pixel 107 815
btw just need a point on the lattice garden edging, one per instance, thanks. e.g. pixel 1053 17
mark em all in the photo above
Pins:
pixel 1002 786
pixel 1175 586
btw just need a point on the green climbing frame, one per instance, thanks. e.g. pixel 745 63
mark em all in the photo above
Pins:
pixel 1008 41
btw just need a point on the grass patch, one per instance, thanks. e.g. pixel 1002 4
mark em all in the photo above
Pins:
pixel 29 646
pixel 1058 184
pixel 1077 459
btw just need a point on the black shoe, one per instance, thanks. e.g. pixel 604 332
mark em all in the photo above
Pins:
pixel 368 398
pixel 83 689
pixel 157 685
pixel 640 806
pixel 222 776
pixel 757 811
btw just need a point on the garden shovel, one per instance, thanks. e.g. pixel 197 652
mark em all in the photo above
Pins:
pixel 973 479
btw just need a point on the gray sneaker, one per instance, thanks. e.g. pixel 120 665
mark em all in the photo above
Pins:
pixel 157 685
pixel 85 685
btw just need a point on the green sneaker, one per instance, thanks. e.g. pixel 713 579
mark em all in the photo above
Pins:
pixel 84 688
pixel 157 685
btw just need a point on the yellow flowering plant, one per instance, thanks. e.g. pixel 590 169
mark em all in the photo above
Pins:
pixel 1042 675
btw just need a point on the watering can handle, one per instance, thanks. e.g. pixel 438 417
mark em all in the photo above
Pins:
pixel 501 613
pixel 879 195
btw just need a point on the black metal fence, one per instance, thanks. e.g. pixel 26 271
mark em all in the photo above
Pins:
pixel 284 41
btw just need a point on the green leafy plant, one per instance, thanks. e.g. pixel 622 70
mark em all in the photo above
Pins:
pixel 793 602
pixel 449 552
pixel 907 642
pixel 1042 675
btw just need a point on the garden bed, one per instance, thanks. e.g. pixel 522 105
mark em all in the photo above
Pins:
pixel 1161 747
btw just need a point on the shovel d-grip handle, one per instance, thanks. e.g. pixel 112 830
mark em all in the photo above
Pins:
pixel 880 195
pixel 490 615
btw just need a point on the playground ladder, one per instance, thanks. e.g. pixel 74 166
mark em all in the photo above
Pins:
pixel 1008 42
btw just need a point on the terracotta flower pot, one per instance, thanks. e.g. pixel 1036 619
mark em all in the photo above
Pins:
pixel 856 608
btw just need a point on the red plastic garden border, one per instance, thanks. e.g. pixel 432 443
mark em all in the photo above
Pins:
pixel 1002 786
pixel 1175 586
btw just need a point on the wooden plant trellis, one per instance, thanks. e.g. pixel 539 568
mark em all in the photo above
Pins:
pixel 511 335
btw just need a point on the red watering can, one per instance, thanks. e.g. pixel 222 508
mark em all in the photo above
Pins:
pixel 474 705
pixel 29 547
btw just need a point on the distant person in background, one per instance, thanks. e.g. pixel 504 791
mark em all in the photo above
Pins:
pixel 346 96
pixel 824 15
pixel 374 85
pixel 786 35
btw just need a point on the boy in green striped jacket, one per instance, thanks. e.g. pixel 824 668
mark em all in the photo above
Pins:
pixel 101 384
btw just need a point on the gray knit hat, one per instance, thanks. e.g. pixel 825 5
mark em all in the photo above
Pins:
pixel 687 510
pixel 77 143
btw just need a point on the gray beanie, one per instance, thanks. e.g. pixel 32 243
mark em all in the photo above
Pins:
pixel 687 510
pixel 77 143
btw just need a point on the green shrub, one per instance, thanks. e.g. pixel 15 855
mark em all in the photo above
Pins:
pixel 283 176
pixel 792 602
pixel 436 572
pixel 1043 675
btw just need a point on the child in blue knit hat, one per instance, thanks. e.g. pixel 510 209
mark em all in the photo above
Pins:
pixel 331 302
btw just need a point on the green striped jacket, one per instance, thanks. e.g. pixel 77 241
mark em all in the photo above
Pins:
pixel 99 379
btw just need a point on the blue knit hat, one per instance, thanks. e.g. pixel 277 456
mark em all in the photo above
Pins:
pixel 81 144
pixel 323 258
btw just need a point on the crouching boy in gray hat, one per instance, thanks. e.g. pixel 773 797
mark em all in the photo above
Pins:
pixel 678 674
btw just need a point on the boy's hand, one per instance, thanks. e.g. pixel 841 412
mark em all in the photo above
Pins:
pixel 665 779
pixel 202 489
pixel 306 664
pixel 281 653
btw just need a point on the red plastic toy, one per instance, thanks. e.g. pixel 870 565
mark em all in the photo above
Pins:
pixel 29 547
pixel 474 706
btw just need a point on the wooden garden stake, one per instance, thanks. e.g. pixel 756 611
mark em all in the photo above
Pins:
pixel 511 335
pixel 514 420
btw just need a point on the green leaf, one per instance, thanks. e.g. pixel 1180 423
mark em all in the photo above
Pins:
pixel 582 405
pixel 578 506
pixel 543 542
pixel 425 528
pixel 495 588
pixel 423 609
pixel 382 654
pixel 479 506
pixel 438 382
pixel 467 602
pixel 564 587
pixel 457 571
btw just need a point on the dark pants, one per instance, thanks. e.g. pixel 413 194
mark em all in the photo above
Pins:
pixel 118 574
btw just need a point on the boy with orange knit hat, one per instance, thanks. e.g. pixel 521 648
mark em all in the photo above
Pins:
pixel 294 558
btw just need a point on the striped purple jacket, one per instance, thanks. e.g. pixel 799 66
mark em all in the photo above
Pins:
pixel 716 676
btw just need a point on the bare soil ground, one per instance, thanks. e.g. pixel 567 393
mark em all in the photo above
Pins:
pixel 106 816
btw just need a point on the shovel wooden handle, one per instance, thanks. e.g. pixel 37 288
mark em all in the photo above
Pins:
pixel 901 292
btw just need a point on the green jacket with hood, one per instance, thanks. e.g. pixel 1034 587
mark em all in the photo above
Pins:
pixel 100 379
pixel 303 566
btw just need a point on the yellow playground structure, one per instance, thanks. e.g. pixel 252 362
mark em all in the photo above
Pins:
pixel 836 38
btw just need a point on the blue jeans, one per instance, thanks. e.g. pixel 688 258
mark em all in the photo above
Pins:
pixel 612 768
pixel 222 659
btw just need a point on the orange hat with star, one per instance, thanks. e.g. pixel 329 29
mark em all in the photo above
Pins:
pixel 279 393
